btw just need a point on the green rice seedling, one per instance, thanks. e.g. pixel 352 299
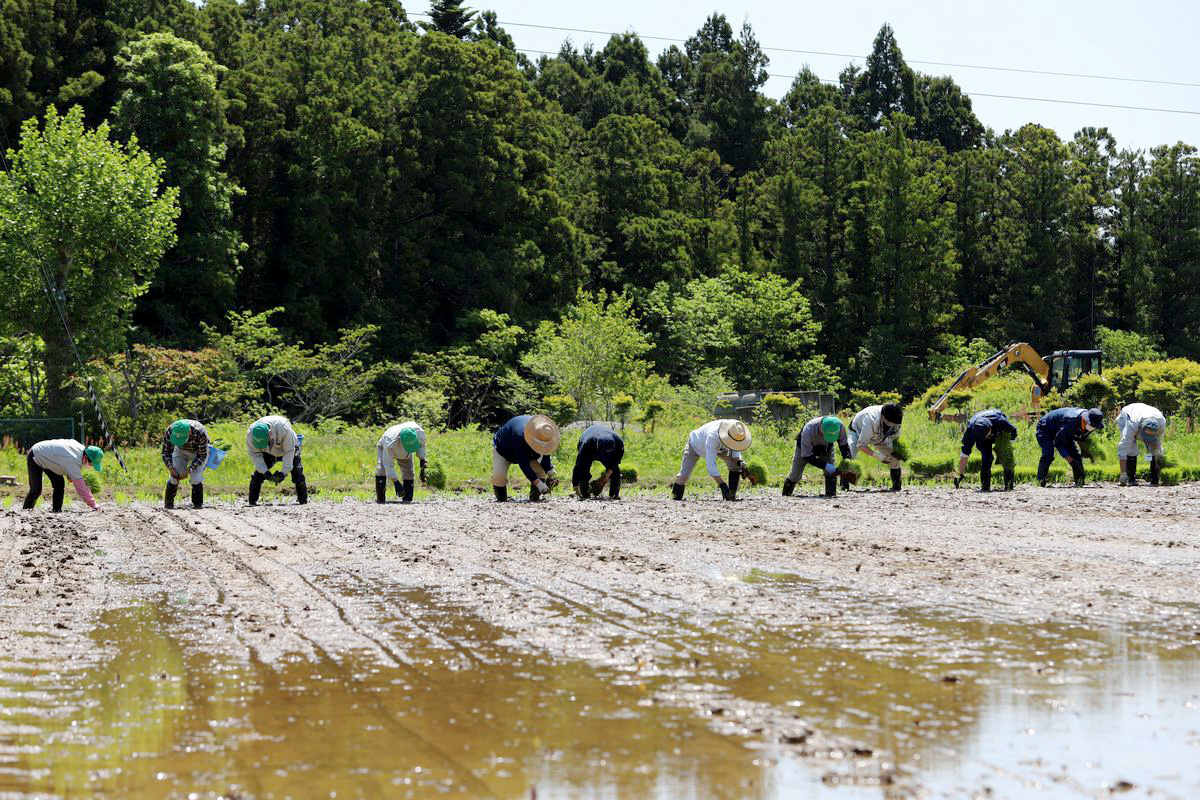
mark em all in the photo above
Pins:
pixel 1005 456
pixel 1092 449
pixel 900 449
pixel 629 473
pixel 759 472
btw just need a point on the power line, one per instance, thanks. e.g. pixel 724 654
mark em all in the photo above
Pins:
pixel 975 94
pixel 1084 75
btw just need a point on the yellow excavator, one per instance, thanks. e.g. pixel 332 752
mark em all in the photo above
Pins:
pixel 1059 371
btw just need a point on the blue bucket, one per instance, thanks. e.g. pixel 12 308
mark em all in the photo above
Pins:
pixel 215 457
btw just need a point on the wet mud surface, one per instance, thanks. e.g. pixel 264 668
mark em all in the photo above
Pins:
pixel 1040 643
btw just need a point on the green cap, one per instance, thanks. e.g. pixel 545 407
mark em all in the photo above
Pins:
pixel 181 429
pixel 95 455
pixel 260 435
pixel 409 440
pixel 831 428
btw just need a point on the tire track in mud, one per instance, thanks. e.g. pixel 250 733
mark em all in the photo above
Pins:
pixel 321 651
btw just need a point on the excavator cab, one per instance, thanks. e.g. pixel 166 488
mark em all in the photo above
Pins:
pixel 1068 366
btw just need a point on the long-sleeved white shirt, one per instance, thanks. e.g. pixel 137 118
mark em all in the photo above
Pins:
pixel 868 428
pixel 705 442
pixel 64 457
pixel 1131 419
pixel 394 451
pixel 281 444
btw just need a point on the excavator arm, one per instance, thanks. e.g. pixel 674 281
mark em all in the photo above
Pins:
pixel 1017 354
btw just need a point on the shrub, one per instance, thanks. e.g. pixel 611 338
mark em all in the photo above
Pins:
pixel 1054 400
pixel 622 404
pixel 561 408
pixel 1128 382
pixel 629 473
pixel 435 475
pixel 1126 347
pixel 1164 396
pixel 859 399
pixel 650 413
pixel 1092 391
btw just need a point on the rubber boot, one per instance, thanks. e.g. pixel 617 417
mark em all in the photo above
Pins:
pixel 788 486
pixel 895 473
pixel 409 487
pixel 985 480
pixel 56 497
pixel 1155 464
pixel 677 491
pixel 1010 480
pixel 256 482
pixel 169 495
pixel 584 490
pixel 845 482
pixel 831 486
pixel 381 488
pixel 1131 469
pixel 1078 472
pixel 534 494
pixel 735 478
pixel 197 495
pixel 301 486
pixel 614 486
pixel 501 493
pixel 1043 472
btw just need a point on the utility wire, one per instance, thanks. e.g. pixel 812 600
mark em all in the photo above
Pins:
pixel 972 94
pixel 1085 75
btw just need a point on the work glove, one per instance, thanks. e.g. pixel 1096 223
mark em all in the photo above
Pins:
pixel 830 469
pixel 724 489
pixel 277 477
pixel 541 486
pixel 423 465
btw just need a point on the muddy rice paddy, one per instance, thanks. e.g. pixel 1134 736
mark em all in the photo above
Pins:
pixel 1041 643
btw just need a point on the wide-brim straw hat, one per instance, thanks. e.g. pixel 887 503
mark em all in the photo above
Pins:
pixel 734 434
pixel 542 434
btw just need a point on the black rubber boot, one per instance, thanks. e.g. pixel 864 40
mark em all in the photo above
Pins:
pixel 831 486
pixel 734 479
pixel 1043 472
pixel 788 486
pixel 1131 469
pixel 409 487
pixel 985 480
pixel 169 495
pixel 1155 464
pixel 614 486
pixel 301 486
pixel 1078 472
pixel 844 480
pixel 677 491
pixel 501 493
pixel 256 482
pixel 381 488
pixel 197 495
pixel 56 497
pixel 895 473
pixel 1010 480
pixel 534 494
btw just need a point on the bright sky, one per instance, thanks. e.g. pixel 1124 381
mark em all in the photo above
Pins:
pixel 1152 40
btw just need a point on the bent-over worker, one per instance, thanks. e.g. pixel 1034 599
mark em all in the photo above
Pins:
pixel 56 458
pixel 1140 421
pixel 873 431
pixel 598 443
pixel 185 451
pixel 1062 430
pixel 527 441
pixel 397 446
pixel 814 445
pixel 723 439
pixel 270 440
pixel 984 428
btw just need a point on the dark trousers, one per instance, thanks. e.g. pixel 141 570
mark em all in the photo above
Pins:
pixel 57 483
pixel 256 479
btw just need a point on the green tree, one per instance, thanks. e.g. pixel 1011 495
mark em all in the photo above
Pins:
pixel 172 104
pixel 83 225
pixel 1172 190
pixel 1125 347
pixel 592 353
pixel 449 17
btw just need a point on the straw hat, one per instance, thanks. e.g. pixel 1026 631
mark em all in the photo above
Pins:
pixel 542 434
pixel 734 434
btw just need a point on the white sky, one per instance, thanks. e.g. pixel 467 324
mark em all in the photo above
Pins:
pixel 1153 40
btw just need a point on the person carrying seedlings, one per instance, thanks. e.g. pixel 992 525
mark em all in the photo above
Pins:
pixel 814 445
pixel 723 439
pixel 598 443
pixel 1062 430
pixel 527 441
pixel 397 445
pixel 270 440
pixel 185 451
pixel 987 430
pixel 1140 421
pixel 874 431
pixel 56 458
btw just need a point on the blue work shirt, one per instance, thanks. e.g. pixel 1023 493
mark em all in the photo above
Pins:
pixel 983 428
pixel 510 443
pixel 598 443
pixel 1062 428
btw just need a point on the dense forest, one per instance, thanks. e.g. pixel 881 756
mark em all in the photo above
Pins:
pixel 407 186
